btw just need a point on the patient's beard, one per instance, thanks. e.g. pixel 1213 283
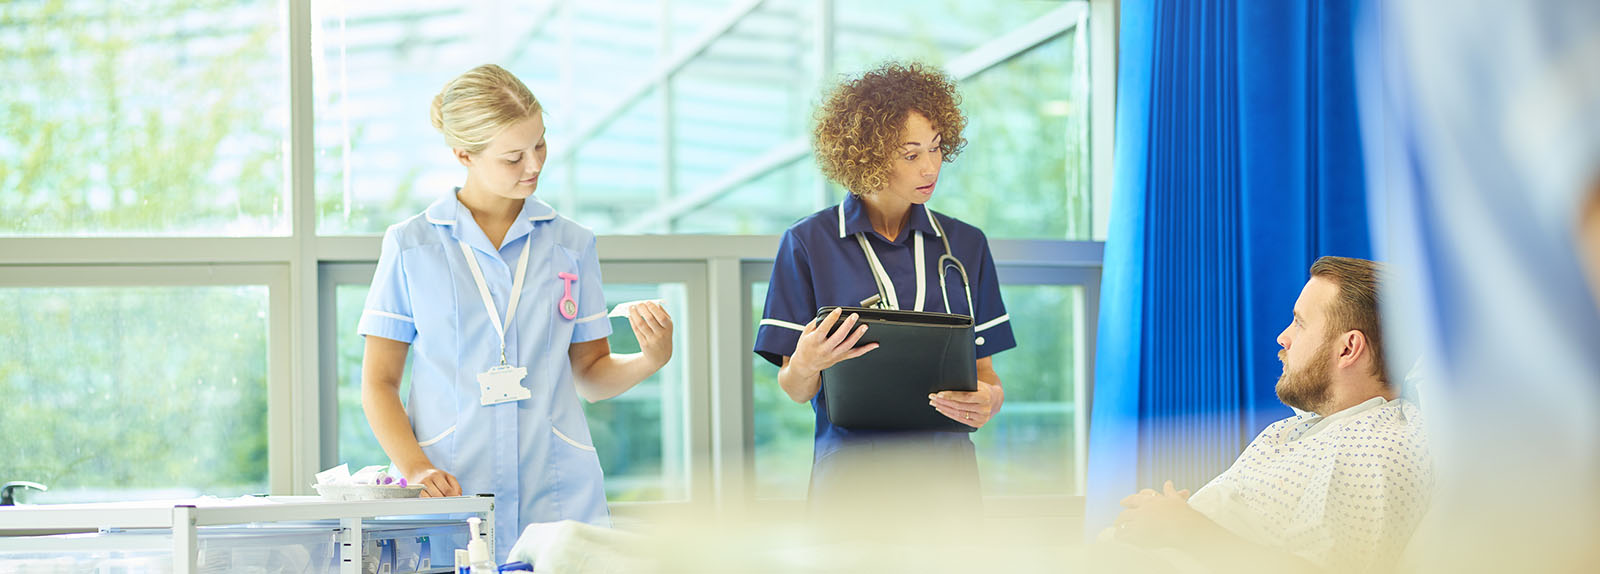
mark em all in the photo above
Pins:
pixel 1308 388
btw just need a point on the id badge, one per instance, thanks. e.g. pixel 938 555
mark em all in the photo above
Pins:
pixel 502 384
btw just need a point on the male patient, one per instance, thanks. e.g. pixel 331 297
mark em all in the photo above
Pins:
pixel 1339 487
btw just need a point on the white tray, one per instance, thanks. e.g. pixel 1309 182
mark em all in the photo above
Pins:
pixel 366 491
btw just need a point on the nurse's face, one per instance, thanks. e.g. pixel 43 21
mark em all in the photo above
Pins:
pixel 509 167
pixel 916 167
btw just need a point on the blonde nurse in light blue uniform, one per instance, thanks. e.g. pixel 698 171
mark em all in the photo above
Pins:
pixel 499 299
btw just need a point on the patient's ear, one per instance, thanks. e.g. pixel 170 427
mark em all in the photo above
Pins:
pixel 1352 347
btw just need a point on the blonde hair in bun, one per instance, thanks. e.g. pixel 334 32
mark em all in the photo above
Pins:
pixel 476 106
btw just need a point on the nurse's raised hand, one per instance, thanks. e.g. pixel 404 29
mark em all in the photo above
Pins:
pixel 653 327
pixel 436 483
pixel 817 350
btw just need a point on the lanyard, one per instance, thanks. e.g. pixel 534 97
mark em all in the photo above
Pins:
pixel 488 302
pixel 881 277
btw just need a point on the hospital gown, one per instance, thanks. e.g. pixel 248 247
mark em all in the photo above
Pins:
pixel 1343 491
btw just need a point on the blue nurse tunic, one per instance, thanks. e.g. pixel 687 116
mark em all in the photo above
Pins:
pixel 535 455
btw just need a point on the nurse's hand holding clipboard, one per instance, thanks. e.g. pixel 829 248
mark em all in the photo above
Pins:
pixel 801 375
pixel 974 408
pixel 817 351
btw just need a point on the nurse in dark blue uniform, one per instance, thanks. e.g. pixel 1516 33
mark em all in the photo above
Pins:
pixel 884 136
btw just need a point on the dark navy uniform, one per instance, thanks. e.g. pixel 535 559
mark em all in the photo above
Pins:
pixel 829 258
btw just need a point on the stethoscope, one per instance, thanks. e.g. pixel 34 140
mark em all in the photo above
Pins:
pixel 884 300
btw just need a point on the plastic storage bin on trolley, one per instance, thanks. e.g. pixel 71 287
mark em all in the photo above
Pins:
pixel 291 533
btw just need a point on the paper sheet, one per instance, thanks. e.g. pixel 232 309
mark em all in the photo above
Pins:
pixel 621 310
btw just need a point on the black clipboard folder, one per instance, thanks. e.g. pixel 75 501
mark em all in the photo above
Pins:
pixel 887 389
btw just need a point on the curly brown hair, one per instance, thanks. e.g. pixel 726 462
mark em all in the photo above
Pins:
pixel 861 121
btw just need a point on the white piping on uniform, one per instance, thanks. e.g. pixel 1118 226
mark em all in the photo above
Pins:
pixel 569 439
pixel 922 279
pixel 784 324
pixel 431 441
pixel 841 220
pixel 439 221
pixel 995 321
pixel 389 315
pixel 594 317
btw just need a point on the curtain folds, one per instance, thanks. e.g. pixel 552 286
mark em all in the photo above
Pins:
pixel 1238 163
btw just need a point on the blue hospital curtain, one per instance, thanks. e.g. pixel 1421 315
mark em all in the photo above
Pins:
pixel 1238 163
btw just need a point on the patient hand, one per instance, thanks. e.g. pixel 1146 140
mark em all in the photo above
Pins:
pixel 1162 519
pixel 1138 499
pixel 972 408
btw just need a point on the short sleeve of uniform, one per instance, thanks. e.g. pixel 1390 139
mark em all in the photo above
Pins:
pixel 591 323
pixel 993 324
pixel 387 312
pixel 791 301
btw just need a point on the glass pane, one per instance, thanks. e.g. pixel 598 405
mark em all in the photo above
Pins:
pixel 734 106
pixel 746 98
pixel 1025 170
pixel 866 33
pixel 606 48
pixel 118 393
pixel 643 435
pixel 378 65
pixel 767 205
pixel 358 447
pixel 618 173
pixel 154 118
pixel 784 429
pixel 691 18
pixel 1032 446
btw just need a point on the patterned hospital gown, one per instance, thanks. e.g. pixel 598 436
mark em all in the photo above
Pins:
pixel 1343 491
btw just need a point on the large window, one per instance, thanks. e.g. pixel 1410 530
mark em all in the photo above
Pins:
pixel 1034 445
pixel 1025 170
pixel 121 393
pixel 356 446
pixel 193 194
pixel 642 435
pixel 784 430
pixel 164 118
pixel 694 117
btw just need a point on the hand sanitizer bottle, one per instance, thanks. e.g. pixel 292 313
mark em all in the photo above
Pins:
pixel 478 552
